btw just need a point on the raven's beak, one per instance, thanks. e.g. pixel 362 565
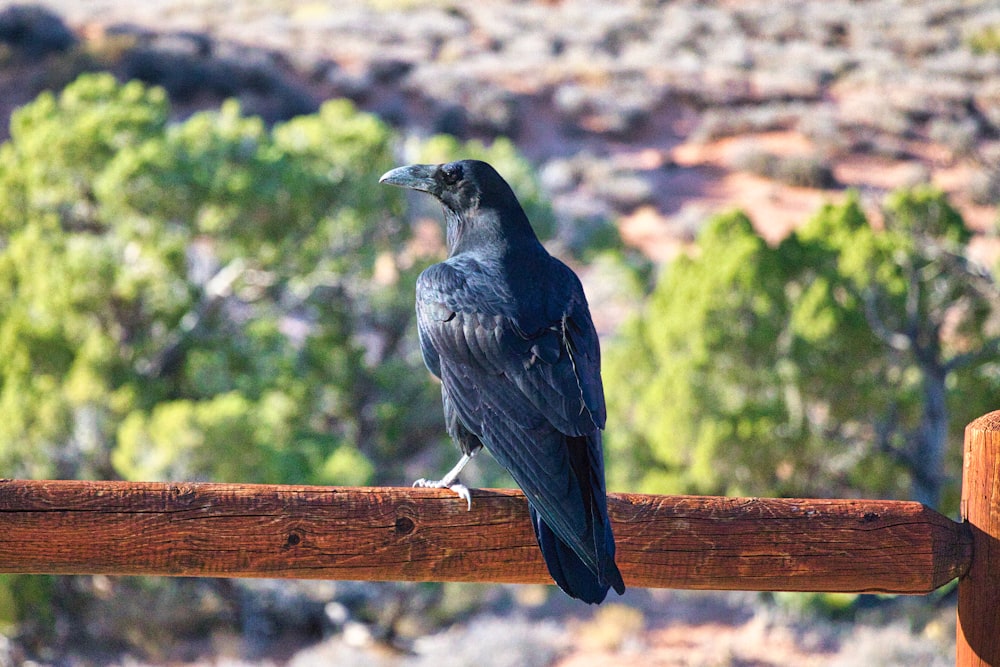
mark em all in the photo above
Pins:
pixel 415 177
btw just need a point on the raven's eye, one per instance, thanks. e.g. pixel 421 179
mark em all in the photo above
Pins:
pixel 451 173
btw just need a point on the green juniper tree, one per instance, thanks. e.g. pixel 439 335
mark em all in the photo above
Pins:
pixel 207 299
pixel 842 361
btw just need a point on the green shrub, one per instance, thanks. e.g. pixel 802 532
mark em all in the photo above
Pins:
pixel 986 40
pixel 190 300
pixel 807 368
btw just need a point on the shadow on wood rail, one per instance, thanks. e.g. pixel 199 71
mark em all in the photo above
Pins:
pixel 697 542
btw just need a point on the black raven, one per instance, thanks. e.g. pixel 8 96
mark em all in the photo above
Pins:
pixel 506 328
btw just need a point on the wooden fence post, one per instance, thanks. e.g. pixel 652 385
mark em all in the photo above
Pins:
pixel 978 641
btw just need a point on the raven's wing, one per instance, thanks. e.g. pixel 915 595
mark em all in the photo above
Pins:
pixel 563 338
pixel 529 388
pixel 552 354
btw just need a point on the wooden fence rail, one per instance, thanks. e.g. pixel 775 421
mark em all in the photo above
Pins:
pixel 242 530
pixel 767 544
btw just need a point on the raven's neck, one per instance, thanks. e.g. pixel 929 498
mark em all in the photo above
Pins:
pixel 501 233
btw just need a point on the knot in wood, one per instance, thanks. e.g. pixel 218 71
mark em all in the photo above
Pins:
pixel 404 525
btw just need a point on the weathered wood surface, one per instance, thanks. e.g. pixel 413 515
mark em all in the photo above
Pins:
pixel 978 641
pixel 243 530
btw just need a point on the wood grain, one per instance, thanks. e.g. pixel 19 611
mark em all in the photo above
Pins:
pixel 978 634
pixel 243 530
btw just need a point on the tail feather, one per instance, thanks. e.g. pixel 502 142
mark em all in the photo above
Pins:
pixel 570 573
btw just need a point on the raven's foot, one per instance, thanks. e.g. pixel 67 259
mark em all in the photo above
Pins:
pixel 450 481
pixel 460 489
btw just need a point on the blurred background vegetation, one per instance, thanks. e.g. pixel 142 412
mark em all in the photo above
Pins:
pixel 217 296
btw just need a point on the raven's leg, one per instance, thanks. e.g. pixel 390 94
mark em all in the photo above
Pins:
pixel 450 481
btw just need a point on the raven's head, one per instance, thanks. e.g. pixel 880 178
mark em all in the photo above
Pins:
pixel 458 185
pixel 479 205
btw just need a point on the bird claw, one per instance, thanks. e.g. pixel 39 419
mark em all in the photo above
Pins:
pixel 461 490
